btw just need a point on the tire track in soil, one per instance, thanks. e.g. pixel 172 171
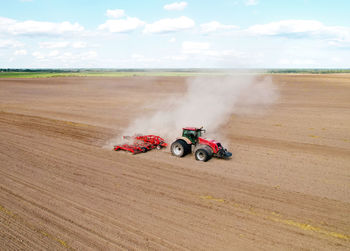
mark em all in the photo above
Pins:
pixel 125 237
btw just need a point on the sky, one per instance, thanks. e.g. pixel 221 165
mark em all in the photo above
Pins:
pixel 175 34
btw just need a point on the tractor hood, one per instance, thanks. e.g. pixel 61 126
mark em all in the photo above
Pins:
pixel 217 148
pixel 212 143
pixel 207 141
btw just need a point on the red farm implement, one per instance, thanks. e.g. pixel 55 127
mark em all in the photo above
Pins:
pixel 141 144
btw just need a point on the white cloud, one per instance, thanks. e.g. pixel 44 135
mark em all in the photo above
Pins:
pixel 137 56
pixel 178 57
pixel 335 35
pixel 172 40
pixel 31 27
pixel 52 45
pixel 176 6
pixel 287 27
pixel 10 43
pixel 188 45
pixel 251 2
pixel 62 44
pixel 336 59
pixel 225 54
pixel 215 26
pixel 6 21
pixel 202 51
pixel 297 62
pixel 117 13
pixel 89 55
pixel 340 43
pixel 170 25
pixel 142 58
pixel 122 25
pixel 38 55
pixel 53 53
pixel 74 57
pixel 20 53
pixel 79 45
pixel 66 56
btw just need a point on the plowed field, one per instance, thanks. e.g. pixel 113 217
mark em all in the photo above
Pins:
pixel 286 187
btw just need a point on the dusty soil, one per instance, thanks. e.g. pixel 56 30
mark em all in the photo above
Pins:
pixel 286 187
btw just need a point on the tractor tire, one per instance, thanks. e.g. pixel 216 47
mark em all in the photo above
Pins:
pixel 203 154
pixel 180 148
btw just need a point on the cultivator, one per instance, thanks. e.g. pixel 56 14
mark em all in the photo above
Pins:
pixel 141 143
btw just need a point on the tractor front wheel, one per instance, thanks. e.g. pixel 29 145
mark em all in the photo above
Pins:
pixel 203 154
pixel 180 148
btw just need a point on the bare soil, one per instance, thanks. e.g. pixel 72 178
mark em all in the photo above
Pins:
pixel 286 187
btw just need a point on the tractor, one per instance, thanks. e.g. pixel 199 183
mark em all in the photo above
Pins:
pixel 204 149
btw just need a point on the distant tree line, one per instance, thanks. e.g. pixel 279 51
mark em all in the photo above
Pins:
pixel 288 70
pixel 312 71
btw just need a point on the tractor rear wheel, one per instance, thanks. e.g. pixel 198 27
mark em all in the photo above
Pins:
pixel 180 148
pixel 203 154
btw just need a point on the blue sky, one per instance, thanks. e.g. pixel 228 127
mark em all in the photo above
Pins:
pixel 175 34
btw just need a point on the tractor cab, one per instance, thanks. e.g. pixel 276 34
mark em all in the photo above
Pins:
pixel 192 133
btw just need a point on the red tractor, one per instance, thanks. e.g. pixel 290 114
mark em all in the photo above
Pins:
pixel 204 149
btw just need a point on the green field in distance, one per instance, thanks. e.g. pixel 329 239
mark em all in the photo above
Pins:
pixel 48 73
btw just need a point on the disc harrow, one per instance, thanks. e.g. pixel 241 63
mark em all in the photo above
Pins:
pixel 141 143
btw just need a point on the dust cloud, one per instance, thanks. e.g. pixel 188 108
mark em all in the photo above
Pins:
pixel 208 102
